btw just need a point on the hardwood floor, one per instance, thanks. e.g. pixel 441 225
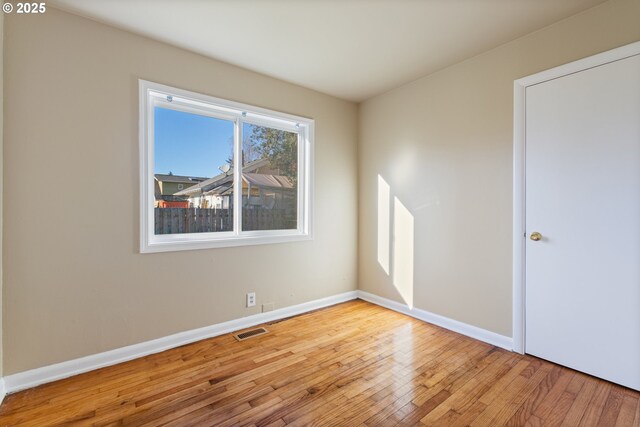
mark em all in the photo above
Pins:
pixel 353 364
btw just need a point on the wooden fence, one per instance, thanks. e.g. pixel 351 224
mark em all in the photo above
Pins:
pixel 196 220
pixel 267 219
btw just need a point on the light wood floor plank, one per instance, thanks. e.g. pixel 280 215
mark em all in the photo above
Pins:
pixel 352 364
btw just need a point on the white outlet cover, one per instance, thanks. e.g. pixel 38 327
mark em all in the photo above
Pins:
pixel 251 299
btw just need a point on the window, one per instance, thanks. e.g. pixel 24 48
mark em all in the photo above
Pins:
pixel 216 173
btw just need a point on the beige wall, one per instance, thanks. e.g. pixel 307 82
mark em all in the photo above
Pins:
pixel 74 281
pixel 443 144
pixel 1 172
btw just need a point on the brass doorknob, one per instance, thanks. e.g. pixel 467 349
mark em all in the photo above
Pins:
pixel 535 236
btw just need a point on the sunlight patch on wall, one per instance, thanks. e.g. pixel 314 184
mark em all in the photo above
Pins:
pixel 384 220
pixel 403 251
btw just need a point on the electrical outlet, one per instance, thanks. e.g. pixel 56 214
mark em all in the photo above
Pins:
pixel 251 299
pixel 267 306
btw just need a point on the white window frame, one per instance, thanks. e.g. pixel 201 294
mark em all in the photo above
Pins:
pixel 155 94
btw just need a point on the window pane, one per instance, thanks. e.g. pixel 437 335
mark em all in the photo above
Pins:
pixel 193 173
pixel 269 178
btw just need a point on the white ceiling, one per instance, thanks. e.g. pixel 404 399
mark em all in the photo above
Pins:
pixel 352 49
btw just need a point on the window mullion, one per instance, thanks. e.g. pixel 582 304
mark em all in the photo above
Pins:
pixel 237 177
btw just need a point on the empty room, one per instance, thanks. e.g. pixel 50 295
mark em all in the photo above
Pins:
pixel 320 213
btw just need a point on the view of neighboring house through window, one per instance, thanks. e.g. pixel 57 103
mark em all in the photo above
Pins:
pixel 269 178
pixel 218 173
pixel 190 151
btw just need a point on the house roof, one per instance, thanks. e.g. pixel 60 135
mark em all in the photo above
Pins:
pixel 267 181
pixel 225 187
pixel 207 184
pixel 179 178
pixel 217 180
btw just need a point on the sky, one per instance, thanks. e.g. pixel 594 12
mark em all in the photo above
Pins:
pixel 191 145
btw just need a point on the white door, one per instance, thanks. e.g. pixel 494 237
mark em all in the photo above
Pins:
pixel 582 278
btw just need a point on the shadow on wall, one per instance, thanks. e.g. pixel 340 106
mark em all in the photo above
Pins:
pixel 395 241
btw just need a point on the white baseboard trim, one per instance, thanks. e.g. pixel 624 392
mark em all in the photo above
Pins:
pixel 453 325
pixel 3 391
pixel 34 377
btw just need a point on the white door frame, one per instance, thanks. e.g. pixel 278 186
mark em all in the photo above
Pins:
pixel 519 200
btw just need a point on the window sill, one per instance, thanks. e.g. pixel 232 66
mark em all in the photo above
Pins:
pixel 190 243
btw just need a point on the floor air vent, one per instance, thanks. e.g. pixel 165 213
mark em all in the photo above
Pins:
pixel 250 334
